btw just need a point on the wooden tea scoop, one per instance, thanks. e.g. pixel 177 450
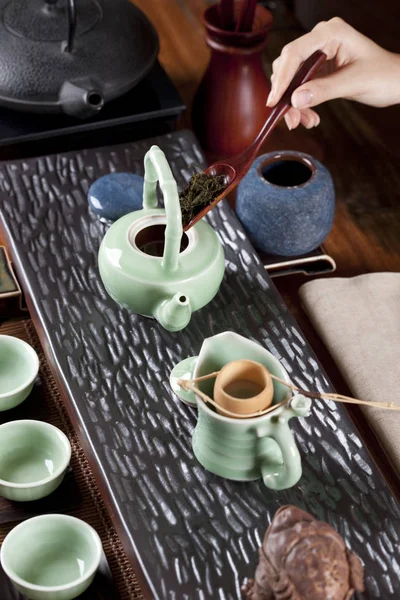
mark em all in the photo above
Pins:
pixel 236 167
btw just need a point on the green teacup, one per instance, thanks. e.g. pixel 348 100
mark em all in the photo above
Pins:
pixel 19 366
pixel 33 459
pixel 51 557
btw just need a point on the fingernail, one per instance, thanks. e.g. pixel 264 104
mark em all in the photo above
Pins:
pixel 301 99
pixel 270 97
pixel 288 121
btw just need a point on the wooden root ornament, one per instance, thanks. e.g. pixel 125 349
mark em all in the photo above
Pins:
pixel 304 559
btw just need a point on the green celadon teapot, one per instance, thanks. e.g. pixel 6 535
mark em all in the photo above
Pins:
pixel 150 266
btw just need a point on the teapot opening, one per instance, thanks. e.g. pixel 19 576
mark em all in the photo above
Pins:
pixel 287 172
pixel 151 240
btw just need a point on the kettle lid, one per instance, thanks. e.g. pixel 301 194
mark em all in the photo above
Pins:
pixel 46 20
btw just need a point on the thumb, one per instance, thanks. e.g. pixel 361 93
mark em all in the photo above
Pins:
pixel 320 90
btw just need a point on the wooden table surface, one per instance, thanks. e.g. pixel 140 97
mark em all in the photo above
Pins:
pixel 358 144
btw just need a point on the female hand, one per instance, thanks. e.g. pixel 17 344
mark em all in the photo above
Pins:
pixel 356 69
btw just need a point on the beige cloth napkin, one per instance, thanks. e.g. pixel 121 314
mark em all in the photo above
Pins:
pixel 359 321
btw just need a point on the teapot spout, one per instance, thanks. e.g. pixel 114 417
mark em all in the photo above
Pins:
pixel 174 314
pixel 80 99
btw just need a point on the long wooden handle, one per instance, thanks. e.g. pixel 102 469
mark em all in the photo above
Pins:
pixel 226 14
pixel 304 74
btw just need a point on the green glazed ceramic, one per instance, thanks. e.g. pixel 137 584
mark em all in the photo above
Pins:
pixel 33 459
pixel 19 366
pixel 246 449
pixel 184 370
pixel 149 265
pixel 51 557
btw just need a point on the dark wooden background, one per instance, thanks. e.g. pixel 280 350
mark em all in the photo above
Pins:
pixel 377 20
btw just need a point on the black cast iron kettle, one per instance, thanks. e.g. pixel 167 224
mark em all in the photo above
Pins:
pixel 71 56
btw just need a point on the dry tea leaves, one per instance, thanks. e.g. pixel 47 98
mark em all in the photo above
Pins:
pixel 200 192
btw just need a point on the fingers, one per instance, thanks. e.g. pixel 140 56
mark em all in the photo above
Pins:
pixel 361 71
pixel 342 84
pixel 307 117
pixel 325 37
pixel 292 118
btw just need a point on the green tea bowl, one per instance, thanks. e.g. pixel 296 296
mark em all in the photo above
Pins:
pixel 33 459
pixel 51 557
pixel 19 366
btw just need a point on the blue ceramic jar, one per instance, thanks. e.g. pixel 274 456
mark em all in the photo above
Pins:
pixel 286 203
pixel 115 195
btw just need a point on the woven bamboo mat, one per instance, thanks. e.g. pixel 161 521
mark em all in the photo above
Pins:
pixel 92 508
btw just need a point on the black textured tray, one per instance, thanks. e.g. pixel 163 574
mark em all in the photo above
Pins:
pixel 194 535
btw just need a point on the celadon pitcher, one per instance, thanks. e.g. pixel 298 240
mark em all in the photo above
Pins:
pixel 243 449
pixel 150 266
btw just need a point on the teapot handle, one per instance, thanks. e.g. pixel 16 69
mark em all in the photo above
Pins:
pixel 71 14
pixel 284 475
pixel 157 169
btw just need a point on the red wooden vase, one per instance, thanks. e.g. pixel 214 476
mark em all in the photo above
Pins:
pixel 229 106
